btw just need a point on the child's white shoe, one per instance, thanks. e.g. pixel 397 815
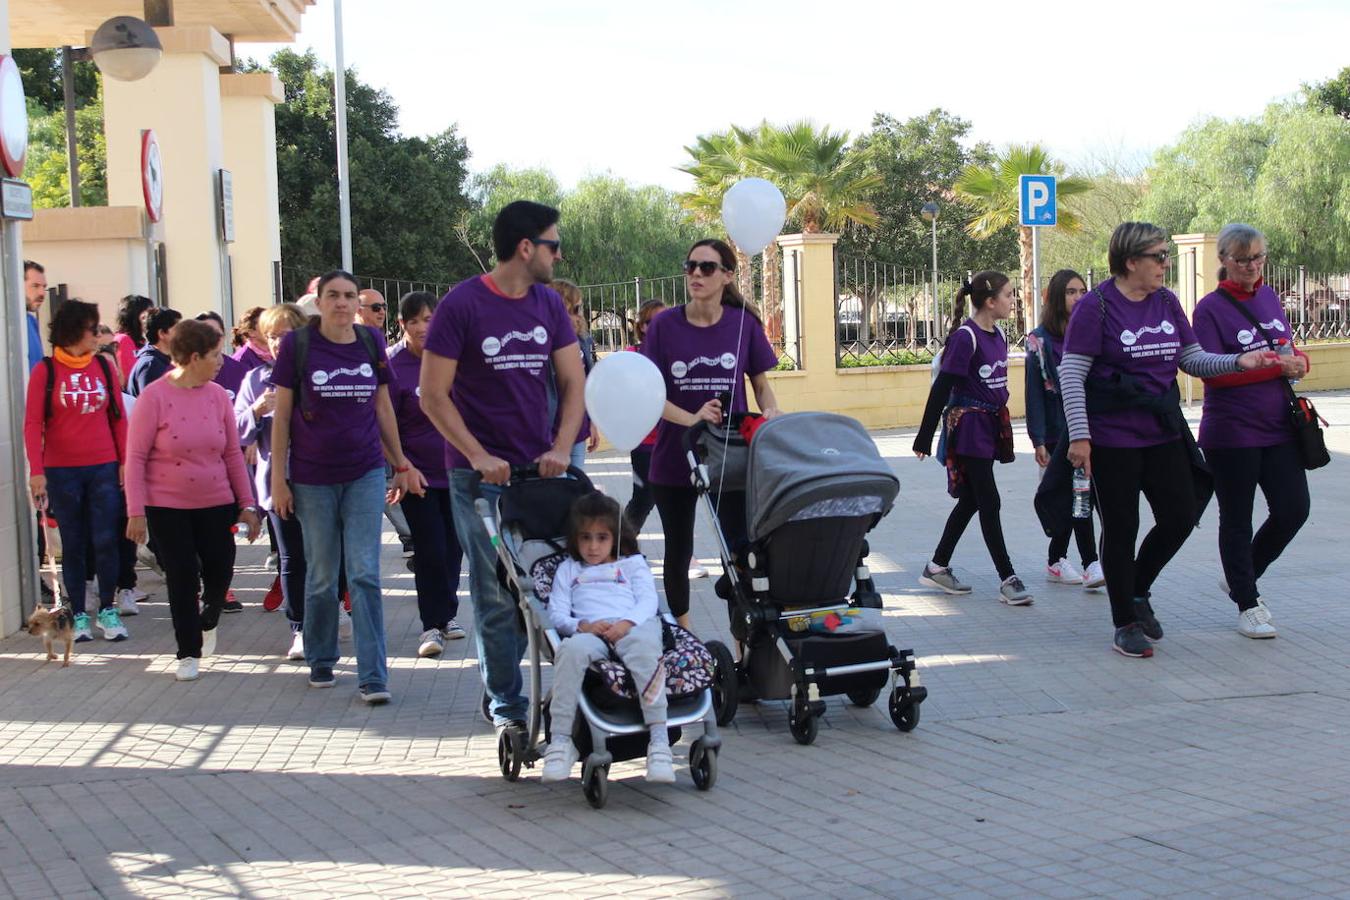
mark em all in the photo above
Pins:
pixel 559 760
pixel 660 764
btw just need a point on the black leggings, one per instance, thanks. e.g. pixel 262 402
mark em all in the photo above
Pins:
pixel 678 507
pixel 197 548
pixel 640 505
pixel 1238 471
pixel 979 494
pixel 1162 473
pixel 1084 535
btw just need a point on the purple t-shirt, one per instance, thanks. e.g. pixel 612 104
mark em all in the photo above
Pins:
pixel 422 443
pixel 1249 415
pixel 339 440
pixel 698 363
pixel 979 360
pixel 249 358
pixel 1142 339
pixel 503 345
pixel 231 375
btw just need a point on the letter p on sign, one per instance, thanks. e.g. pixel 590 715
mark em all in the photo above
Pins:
pixel 1037 201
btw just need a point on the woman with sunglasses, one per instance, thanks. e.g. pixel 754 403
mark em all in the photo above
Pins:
pixel 640 504
pixel 1125 342
pixel 705 348
pixel 1245 430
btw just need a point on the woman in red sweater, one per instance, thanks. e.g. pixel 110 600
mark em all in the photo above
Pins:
pixel 75 437
pixel 187 481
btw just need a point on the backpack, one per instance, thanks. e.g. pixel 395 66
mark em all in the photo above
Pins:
pixel 302 338
pixel 113 413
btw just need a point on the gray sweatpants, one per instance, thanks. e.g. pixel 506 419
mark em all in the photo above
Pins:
pixel 641 651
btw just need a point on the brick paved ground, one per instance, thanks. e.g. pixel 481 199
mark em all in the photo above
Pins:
pixel 1044 764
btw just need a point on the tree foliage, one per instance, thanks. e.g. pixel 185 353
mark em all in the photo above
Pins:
pixel 47 168
pixel 1287 172
pixel 1332 95
pixel 40 70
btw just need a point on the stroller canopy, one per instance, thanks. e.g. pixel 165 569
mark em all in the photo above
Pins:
pixel 801 459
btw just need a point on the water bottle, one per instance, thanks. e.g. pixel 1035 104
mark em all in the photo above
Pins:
pixel 1285 348
pixel 241 527
pixel 1082 494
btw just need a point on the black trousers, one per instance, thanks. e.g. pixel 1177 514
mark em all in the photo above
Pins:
pixel 1084 536
pixel 196 547
pixel 1238 472
pixel 678 507
pixel 1162 473
pixel 439 557
pixel 979 494
pixel 640 504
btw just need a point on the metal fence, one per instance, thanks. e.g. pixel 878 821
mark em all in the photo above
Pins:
pixel 295 281
pixel 1316 303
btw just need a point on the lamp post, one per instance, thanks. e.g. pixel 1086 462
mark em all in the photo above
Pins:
pixel 929 211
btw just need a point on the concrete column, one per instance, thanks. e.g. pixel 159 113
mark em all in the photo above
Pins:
pixel 813 258
pixel 1197 265
pixel 248 104
pixel 181 101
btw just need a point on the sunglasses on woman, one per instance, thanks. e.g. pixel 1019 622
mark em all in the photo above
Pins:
pixel 703 267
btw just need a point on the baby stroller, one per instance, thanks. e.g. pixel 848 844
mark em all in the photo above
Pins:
pixel 528 527
pixel 815 485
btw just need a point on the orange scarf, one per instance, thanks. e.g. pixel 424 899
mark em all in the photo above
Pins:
pixel 74 362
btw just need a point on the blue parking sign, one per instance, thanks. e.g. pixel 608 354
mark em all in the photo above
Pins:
pixel 1037 203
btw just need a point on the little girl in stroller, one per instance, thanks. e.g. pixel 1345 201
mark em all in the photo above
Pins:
pixel 604 598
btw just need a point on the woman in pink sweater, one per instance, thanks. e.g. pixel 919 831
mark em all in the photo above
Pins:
pixel 187 481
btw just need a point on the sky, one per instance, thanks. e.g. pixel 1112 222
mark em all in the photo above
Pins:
pixel 591 86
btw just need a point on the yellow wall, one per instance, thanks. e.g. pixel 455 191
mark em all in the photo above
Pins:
pixel 99 252
pixel 248 105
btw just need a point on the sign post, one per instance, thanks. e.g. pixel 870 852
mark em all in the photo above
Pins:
pixel 1038 207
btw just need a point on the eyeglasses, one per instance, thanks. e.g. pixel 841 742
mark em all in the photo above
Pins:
pixel 555 246
pixel 703 266
pixel 1161 257
pixel 1258 259
pixel 378 307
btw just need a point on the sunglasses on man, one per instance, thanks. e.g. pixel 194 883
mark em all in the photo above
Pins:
pixel 378 307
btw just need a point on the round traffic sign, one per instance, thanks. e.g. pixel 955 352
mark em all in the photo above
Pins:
pixel 152 175
pixel 13 118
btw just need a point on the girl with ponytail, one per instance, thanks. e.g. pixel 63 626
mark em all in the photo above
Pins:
pixel 970 396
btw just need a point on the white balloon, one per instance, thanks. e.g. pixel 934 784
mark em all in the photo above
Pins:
pixel 753 211
pixel 625 395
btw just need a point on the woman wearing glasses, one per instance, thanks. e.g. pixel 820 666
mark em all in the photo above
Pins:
pixel 705 348
pixel 1246 431
pixel 1123 347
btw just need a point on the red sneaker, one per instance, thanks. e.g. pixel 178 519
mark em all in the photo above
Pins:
pixel 272 602
pixel 347 601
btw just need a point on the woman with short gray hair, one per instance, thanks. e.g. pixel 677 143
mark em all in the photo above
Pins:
pixel 1122 349
pixel 1246 430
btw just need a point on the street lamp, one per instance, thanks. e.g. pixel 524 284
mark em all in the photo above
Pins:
pixel 125 48
pixel 929 211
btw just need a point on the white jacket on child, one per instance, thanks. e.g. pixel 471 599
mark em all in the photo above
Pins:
pixel 623 589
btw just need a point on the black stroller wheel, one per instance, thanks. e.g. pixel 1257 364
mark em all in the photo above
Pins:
pixel 904 711
pixel 510 752
pixel 596 787
pixel 726 683
pixel 702 766
pixel 864 696
pixel 802 723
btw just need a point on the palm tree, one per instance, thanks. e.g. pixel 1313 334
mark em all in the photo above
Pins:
pixel 718 162
pixel 992 191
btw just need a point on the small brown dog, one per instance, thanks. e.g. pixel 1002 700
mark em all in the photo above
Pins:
pixel 54 624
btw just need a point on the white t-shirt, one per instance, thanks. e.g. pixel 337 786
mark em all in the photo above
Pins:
pixel 614 590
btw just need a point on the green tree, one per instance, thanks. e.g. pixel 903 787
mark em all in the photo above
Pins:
pixel 1117 190
pixel 1287 172
pixel 613 231
pixel 47 168
pixel 406 192
pixel 1332 95
pixel 493 189
pixel 825 187
pixel 40 69
pixel 992 191
pixel 717 161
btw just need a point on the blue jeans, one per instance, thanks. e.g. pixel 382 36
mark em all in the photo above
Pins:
pixel 334 518
pixel 577 458
pixel 501 641
pixel 88 506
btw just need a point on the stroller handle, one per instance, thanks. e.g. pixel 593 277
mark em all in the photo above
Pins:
pixel 526 473
pixel 695 431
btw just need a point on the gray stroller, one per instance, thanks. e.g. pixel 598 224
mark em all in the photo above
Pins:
pixel 528 525
pixel 815 485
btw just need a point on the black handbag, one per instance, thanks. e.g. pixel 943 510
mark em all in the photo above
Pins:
pixel 1312 444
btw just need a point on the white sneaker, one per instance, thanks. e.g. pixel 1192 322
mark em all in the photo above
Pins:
pixel 431 643
pixel 660 764
pixel 1063 572
pixel 187 669
pixel 126 602
pixel 1094 578
pixel 209 642
pixel 697 571
pixel 559 760
pixel 273 561
pixel 1256 623
pixel 344 625
pixel 297 651
pixel 454 631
